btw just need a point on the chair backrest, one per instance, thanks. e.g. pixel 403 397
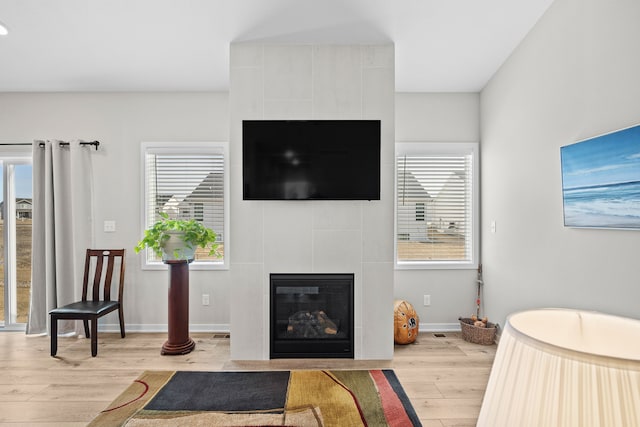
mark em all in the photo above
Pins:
pixel 94 269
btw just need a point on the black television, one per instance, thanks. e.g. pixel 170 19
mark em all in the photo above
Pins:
pixel 311 159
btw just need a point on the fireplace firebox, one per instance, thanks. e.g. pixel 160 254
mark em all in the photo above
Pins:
pixel 311 316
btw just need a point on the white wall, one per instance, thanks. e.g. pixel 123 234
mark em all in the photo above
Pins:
pixel 120 121
pixel 312 81
pixel 438 117
pixel 575 76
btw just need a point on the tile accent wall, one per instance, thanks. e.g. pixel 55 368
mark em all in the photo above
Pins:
pixel 271 81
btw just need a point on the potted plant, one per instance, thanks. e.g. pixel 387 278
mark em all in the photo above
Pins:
pixel 177 239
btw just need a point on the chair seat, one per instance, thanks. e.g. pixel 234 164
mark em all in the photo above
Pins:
pixel 86 307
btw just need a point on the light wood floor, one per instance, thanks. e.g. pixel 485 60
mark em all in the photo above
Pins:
pixel 445 378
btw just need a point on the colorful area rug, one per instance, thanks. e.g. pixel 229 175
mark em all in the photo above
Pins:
pixel 274 398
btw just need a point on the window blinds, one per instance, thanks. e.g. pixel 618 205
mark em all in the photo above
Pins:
pixel 434 207
pixel 186 186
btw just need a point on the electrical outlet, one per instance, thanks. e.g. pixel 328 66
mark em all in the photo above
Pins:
pixel 427 300
pixel 205 299
pixel 109 226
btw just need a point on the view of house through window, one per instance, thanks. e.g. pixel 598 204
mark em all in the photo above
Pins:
pixel 435 212
pixel 186 182
pixel 15 245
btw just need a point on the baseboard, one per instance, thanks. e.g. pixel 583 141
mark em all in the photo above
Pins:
pixel 115 327
pixel 225 327
pixel 440 327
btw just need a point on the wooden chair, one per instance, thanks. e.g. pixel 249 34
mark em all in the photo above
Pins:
pixel 92 306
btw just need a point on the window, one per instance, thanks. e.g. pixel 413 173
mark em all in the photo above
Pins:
pixel 436 205
pixel 187 181
pixel 419 211
pixel 15 235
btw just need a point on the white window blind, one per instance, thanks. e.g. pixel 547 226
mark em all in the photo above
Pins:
pixel 435 213
pixel 186 184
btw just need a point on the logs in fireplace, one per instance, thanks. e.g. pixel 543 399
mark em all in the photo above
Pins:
pixel 311 315
pixel 307 324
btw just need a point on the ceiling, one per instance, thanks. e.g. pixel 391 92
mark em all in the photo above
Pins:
pixel 183 45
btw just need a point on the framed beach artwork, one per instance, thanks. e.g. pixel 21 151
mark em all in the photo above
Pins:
pixel 601 181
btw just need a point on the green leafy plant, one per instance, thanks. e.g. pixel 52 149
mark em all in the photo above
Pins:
pixel 192 232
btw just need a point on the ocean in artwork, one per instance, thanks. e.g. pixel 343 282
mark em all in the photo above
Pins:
pixel 601 181
pixel 606 206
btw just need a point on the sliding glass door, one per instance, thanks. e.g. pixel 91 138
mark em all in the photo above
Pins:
pixel 15 248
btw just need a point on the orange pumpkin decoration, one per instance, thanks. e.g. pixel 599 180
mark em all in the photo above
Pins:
pixel 405 322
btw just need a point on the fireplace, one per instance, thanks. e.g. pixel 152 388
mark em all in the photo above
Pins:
pixel 311 316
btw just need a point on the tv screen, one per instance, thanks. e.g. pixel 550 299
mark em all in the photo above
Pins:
pixel 311 159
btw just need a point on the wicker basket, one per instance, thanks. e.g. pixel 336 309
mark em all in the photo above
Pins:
pixel 476 335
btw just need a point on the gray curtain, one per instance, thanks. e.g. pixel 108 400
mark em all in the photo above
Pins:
pixel 62 229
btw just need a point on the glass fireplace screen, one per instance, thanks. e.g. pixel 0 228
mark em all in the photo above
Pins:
pixel 311 315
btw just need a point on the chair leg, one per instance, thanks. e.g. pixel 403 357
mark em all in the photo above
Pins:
pixel 86 328
pixel 121 315
pixel 94 336
pixel 54 335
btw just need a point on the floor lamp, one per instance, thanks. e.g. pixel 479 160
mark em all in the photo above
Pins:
pixel 560 367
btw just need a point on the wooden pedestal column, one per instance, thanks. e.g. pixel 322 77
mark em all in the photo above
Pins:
pixel 179 341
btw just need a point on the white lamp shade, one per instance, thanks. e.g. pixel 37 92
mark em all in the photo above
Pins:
pixel 557 367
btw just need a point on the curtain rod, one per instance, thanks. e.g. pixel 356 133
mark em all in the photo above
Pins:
pixel 94 143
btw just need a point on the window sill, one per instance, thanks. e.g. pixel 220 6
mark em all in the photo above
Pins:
pixel 435 265
pixel 194 266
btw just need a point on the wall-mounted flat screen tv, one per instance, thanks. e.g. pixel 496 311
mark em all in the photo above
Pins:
pixel 311 159
pixel 601 181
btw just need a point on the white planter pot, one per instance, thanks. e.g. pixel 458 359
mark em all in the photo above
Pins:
pixel 175 249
